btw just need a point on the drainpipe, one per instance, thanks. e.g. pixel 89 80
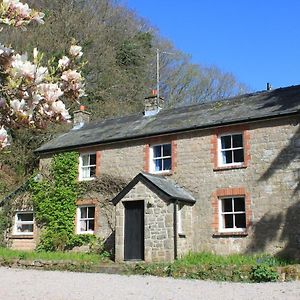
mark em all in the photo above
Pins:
pixel 175 229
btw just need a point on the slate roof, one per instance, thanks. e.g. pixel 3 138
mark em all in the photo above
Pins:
pixel 248 107
pixel 166 187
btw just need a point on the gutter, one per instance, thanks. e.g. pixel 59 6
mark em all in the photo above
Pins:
pixel 170 132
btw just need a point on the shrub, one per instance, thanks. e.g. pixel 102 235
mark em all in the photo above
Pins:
pixel 263 273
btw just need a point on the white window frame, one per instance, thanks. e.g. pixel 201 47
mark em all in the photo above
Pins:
pixel 220 150
pixel 81 167
pixel 17 222
pixel 221 214
pixel 152 159
pixel 78 218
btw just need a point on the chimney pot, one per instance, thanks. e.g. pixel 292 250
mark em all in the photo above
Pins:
pixel 152 106
pixel 80 117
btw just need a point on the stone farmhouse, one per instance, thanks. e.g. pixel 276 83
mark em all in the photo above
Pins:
pixel 221 177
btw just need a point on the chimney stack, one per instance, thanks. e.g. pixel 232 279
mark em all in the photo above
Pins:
pixel 269 86
pixel 152 104
pixel 80 117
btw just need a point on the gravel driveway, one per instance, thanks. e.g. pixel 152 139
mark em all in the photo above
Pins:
pixel 55 285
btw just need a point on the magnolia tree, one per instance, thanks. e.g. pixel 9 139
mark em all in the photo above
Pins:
pixel 32 93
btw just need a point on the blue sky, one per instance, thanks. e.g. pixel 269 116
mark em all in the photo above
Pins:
pixel 256 40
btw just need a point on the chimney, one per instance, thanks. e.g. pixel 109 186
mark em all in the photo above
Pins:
pixel 269 86
pixel 80 117
pixel 152 104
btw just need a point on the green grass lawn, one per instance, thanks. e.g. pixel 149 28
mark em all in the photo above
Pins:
pixel 205 258
pixel 9 254
pixel 208 266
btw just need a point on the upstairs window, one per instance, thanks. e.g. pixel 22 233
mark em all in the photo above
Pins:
pixel 231 149
pixel 87 166
pixel 232 214
pixel 85 219
pixel 24 223
pixel 161 158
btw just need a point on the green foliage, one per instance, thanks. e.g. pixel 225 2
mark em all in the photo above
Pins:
pixel 133 52
pixel 54 201
pixel 4 224
pixel 208 266
pixel 263 273
pixel 9 254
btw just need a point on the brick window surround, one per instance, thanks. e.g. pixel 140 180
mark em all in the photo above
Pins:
pixel 214 150
pixel 157 141
pixel 229 192
pixel 88 202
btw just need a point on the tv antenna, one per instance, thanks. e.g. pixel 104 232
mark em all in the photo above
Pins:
pixel 158 52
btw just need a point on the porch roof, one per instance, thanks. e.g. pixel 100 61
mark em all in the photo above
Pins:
pixel 168 188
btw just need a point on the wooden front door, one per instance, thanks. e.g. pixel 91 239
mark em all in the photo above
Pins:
pixel 134 230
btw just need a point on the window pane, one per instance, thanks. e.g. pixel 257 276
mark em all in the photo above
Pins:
pixel 85 172
pixel 240 221
pixel 158 164
pixel 91 212
pixel 238 155
pixel 167 164
pixel 83 226
pixel 157 151
pixel 167 150
pixel 83 212
pixel 92 171
pixel 25 216
pixel 237 140
pixel 25 228
pixel 92 159
pixel 91 225
pixel 85 160
pixel 239 204
pixel 226 141
pixel 227 157
pixel 228 221
pixel 227 205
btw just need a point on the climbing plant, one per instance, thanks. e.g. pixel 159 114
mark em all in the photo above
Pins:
pixel 54 199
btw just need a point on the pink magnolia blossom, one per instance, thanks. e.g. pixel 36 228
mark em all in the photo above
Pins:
pixel 3 138
pixel 17 14
pixel 22 68
pixel 50 91
pixel 59 108
pixel 64 62
pixel 75 51
pixel 30 93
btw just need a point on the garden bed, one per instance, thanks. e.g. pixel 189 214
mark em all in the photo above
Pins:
pixel 204 266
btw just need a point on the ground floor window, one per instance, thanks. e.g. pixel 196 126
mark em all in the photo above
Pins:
pixel 24 223
pixel 85 219
pixel 232 214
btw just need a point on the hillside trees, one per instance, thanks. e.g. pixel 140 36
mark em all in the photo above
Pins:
pixel 120 48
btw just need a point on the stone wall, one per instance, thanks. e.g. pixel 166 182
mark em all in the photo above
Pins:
pixel 159 230
pixel 270 178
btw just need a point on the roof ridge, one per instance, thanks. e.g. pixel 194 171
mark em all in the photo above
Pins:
pixel 166 110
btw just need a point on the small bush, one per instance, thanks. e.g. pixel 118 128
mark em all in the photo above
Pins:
pixel 263 273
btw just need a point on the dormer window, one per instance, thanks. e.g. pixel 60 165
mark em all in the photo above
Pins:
pixel 161 158
pixel 87 166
